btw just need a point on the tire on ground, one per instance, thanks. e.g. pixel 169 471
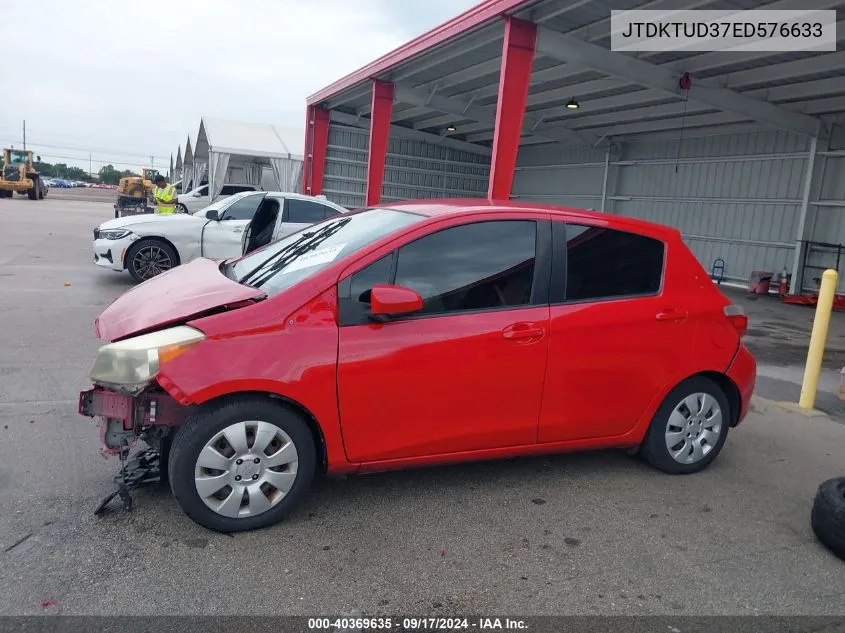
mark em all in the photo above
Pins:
pixel 654 449
pixel 828 515
pixel 191 438
pixel 137 246
pixel 33 191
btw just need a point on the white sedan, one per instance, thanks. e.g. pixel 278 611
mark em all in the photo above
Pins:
pixel 197 199
pixel 147 245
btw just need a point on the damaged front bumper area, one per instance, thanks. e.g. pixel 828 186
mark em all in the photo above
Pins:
pixel 125 418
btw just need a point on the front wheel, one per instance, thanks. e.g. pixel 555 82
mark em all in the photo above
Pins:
pixel 181 208
pixel 148 258
pixel 242 465
pixel 689 429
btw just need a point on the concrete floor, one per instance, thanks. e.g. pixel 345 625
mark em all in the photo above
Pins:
pixel 779 335
pixel 592 533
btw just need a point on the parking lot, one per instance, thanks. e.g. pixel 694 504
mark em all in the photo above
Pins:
pixel 596 533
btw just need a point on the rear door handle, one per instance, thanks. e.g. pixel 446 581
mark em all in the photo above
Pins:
pixel 671 314
pixel 523 332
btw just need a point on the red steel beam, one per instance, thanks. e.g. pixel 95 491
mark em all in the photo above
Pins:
pixel 514 81
pixel 382 109
pixel 316 144
pixel 478 15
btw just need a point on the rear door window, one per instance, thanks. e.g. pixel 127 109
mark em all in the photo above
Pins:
pixel 299 211
pixel 602 263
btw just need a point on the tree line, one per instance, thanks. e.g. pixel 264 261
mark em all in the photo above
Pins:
pixel 107 174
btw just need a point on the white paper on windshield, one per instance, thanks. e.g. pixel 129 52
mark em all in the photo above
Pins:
pixel 315 258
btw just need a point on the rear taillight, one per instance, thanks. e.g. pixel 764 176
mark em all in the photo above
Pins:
pixel 736 315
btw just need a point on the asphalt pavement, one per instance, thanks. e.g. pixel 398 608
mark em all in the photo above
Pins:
pixel 591 533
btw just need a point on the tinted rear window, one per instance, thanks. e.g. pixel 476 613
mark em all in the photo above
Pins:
pixel 604 263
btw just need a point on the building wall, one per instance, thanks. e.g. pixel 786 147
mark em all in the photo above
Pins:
pixel 413 169
pixel 736 197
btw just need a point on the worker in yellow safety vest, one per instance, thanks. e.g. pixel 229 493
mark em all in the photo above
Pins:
pixel 165 196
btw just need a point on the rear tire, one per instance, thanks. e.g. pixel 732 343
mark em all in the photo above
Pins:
pixel 689 429
pixel 828 516
pixel 203 457
pixel 149 258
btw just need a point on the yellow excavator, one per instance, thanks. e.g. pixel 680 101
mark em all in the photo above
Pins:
pixel 19 175
pixel 138 187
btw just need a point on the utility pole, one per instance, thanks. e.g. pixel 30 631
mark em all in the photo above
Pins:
pixel 152 159
pixel 90 168
pixel 24 134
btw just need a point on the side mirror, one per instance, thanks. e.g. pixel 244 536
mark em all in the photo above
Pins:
pixel 391 301
pixel 212 215
pixel 197 195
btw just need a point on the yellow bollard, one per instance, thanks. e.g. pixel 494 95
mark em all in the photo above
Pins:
pixel 812 371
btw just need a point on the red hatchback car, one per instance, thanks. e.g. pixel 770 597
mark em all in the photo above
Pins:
pixel 418 334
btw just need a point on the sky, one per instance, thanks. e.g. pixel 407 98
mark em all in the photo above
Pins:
pixel 122 81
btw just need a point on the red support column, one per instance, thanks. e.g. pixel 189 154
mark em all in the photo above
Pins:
pixel 514 80
pixel 379 135
pixel 316 143
pixel 306 152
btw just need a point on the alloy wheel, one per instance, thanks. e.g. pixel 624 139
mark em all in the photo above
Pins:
pixel 150 261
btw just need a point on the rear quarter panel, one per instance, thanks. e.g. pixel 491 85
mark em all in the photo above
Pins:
pixel 714 341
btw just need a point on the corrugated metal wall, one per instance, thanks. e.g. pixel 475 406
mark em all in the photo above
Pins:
pixel 413 169
pixel 737 197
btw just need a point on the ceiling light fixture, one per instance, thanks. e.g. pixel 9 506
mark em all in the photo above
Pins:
pixel 572 104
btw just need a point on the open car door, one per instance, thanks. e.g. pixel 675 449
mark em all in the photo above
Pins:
pixel 260 231
pixel 222 238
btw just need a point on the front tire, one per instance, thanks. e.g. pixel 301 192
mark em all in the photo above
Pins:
pixel 181 208
pixel 689 429
pixel 33 191
pixel 149 258
pixel 242 465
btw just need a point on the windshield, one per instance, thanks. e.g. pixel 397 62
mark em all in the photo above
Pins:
pixel 18 158
pixel 286 262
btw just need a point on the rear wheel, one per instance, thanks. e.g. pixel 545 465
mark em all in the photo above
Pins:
pixel 242 465
pixel 689 429
pixel 181 208
pixel 148 258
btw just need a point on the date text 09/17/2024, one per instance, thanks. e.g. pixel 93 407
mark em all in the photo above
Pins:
pixel 418 624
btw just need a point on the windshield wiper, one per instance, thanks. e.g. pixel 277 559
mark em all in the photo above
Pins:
pixel 278 261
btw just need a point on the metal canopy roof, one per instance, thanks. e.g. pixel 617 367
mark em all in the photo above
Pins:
pixel 449 77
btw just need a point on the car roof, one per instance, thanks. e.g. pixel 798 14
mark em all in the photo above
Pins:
pixel 433 208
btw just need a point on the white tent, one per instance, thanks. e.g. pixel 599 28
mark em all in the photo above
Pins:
pixel 187 168
pixel 224 147
pixel 178 168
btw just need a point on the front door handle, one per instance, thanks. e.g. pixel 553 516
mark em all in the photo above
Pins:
pixel 237 230
pixel 671 314
pixel 523 332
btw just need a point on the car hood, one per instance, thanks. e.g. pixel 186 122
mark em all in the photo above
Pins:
pixel 176 296
pixel 150 218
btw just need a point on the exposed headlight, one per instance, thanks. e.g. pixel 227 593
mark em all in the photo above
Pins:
pixel 134 362
pixel 114 234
